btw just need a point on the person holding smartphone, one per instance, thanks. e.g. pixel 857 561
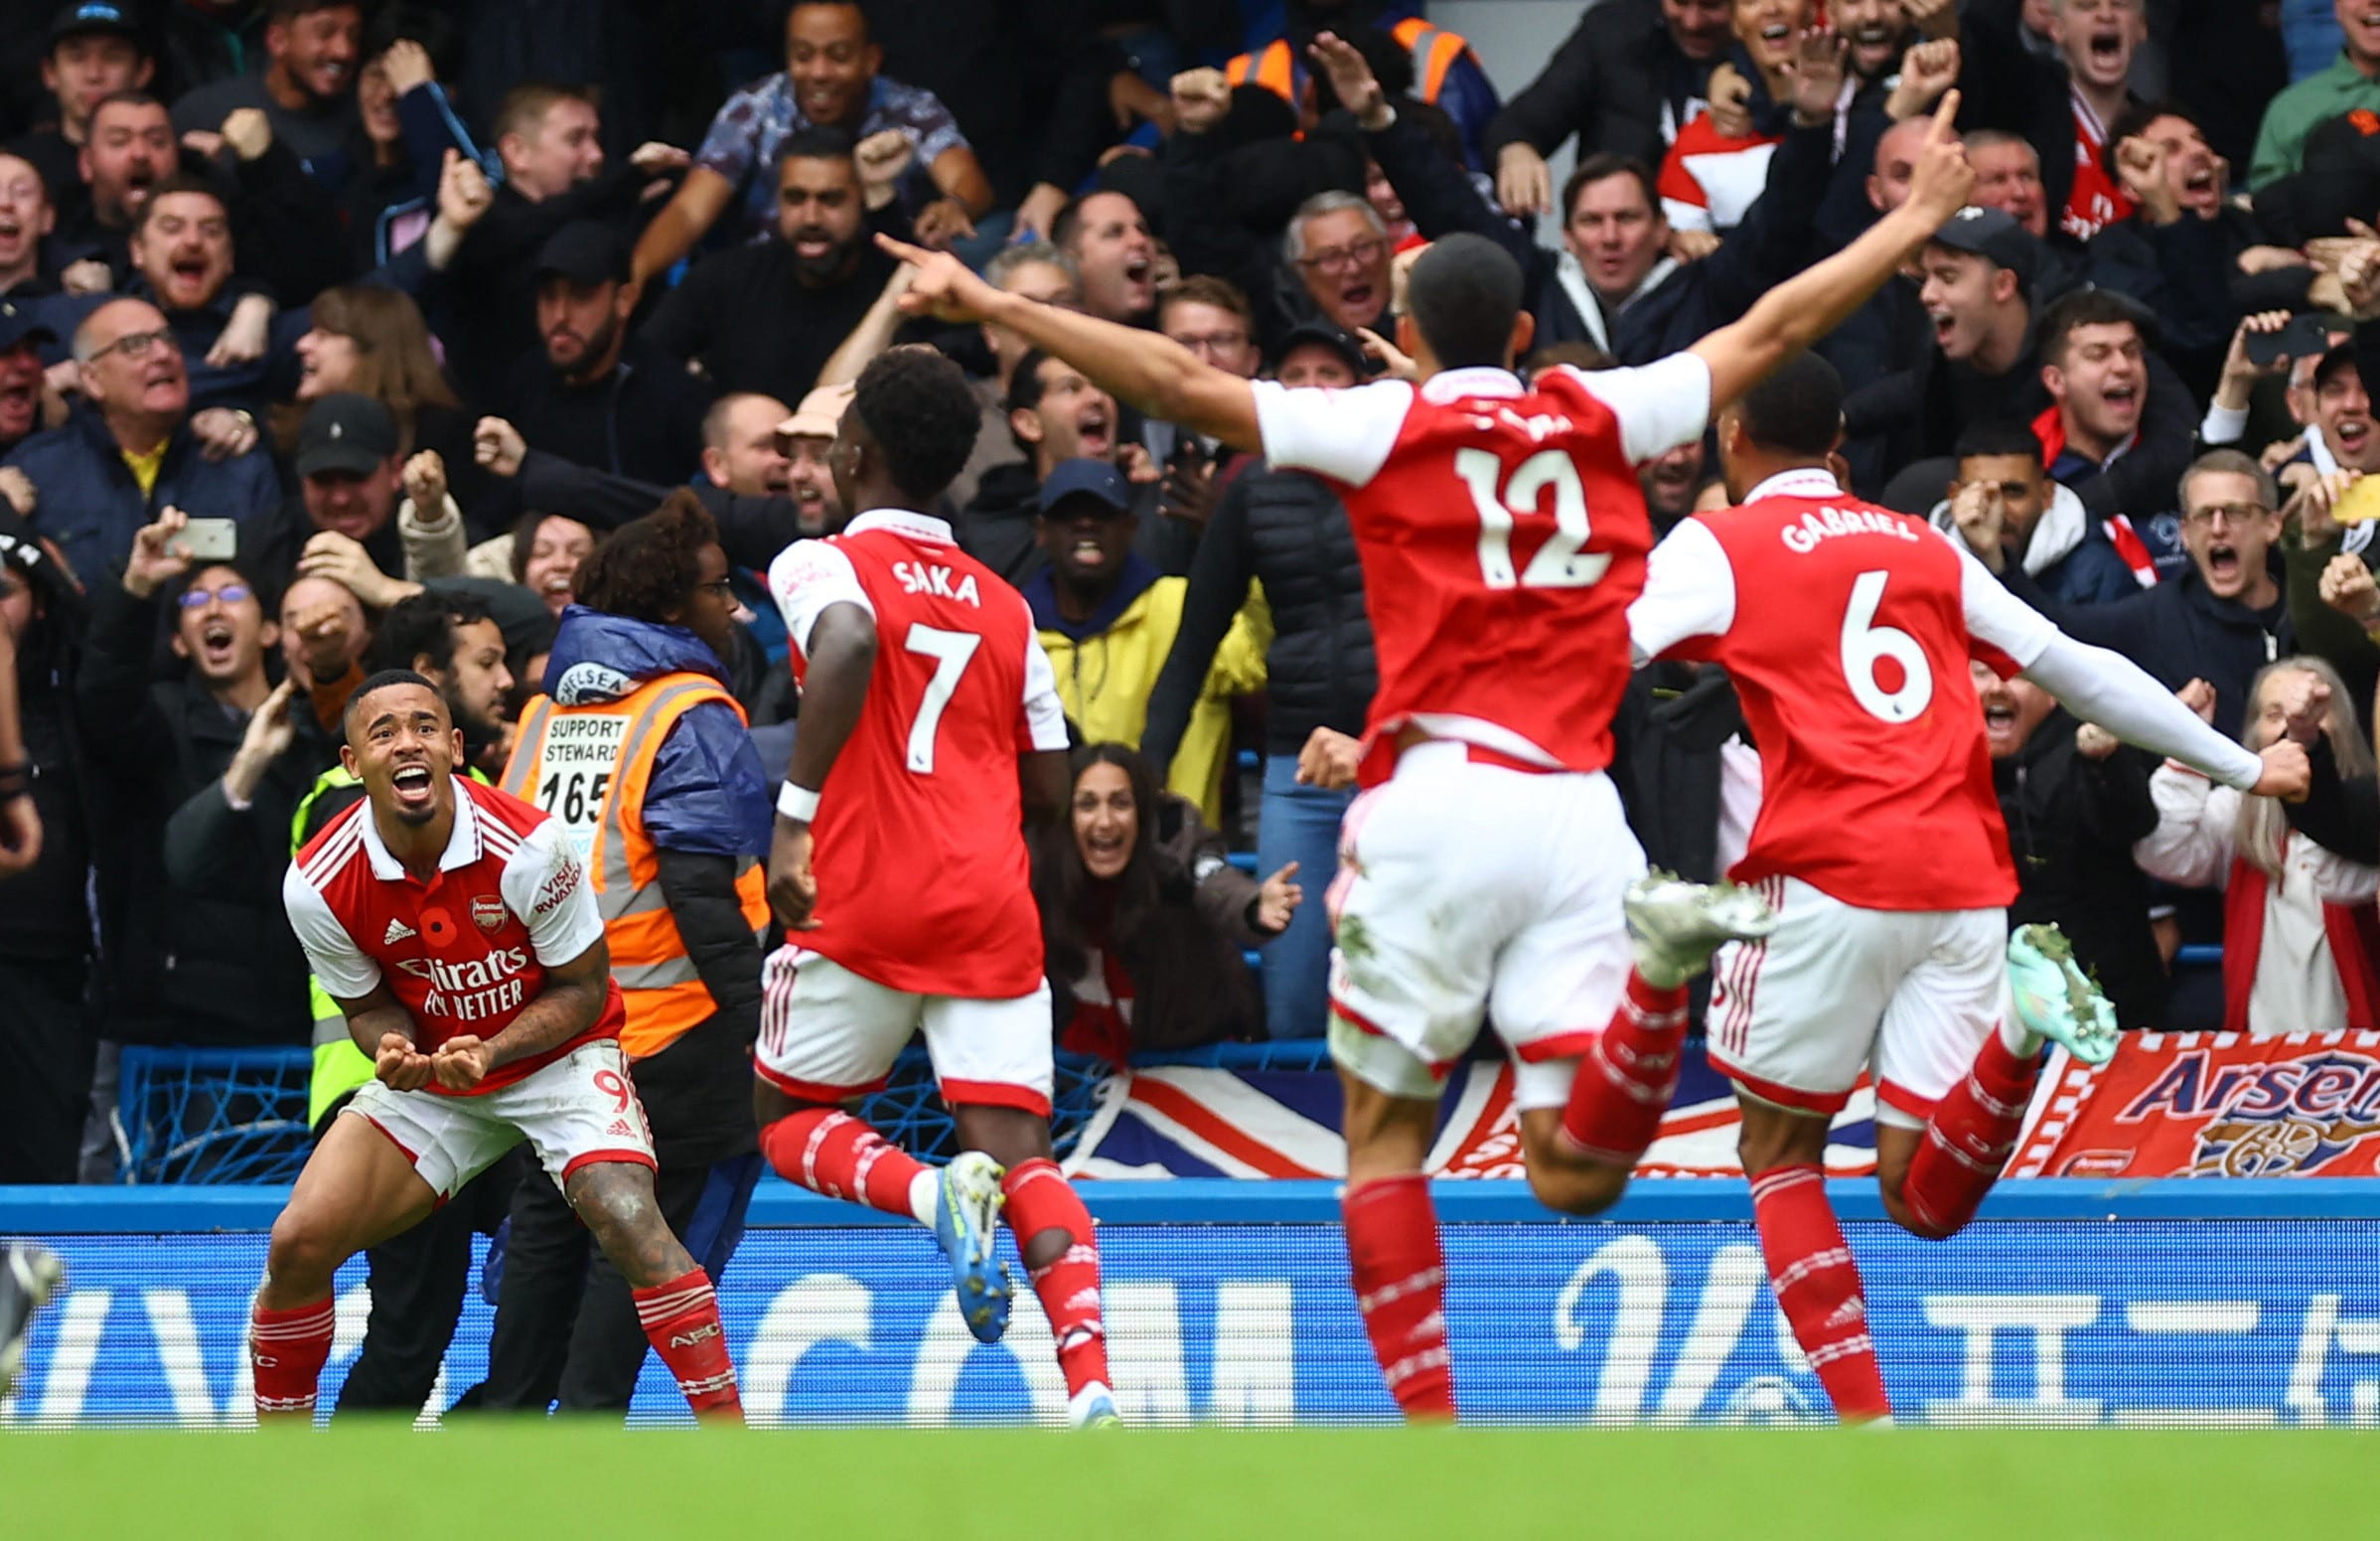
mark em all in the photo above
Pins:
pixel 212 961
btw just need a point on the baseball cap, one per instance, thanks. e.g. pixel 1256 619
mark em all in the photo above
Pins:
pixel 18 325
pixel 2337 357
pixel 1086 478
pixel 1993 235
pixel 345 432
pixel 585 252
pixel 820 415
pixel 1329 336
pixel 88 16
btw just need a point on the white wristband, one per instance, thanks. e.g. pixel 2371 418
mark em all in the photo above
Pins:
pixel 798 804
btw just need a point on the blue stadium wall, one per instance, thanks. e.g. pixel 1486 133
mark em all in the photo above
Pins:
pixel 2226 1304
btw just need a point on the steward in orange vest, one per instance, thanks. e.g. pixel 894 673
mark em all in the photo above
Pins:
pixel 643 756
pixel 1446 72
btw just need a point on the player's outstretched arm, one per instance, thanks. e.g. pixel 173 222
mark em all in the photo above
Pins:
pixel 1153 373
pixel 1797 313
pixel 2106 688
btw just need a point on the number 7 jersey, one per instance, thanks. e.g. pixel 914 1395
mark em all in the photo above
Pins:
pixel 924 883
pixel 1502 533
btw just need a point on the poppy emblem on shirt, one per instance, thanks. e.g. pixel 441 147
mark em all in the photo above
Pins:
pixel 437 928
pixel 489 912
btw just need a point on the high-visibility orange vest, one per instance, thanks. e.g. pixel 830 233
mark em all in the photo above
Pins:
pixel 1276 66
pixel 1435 51
pixel 588 767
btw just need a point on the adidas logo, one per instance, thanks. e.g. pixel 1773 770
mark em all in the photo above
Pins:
pixel 398 931
pixel 621 1130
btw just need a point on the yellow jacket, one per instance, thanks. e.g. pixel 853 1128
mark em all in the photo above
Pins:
pixel 1105 677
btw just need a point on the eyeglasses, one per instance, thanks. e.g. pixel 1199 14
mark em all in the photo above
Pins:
pixel 137 345
pixel 2229 513
pixel 230 594
pixel 724 587
pixel 1212 342
pixel 1361 254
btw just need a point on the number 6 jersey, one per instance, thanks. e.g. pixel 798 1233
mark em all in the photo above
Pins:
pixel 1503 535
pixel 920 852
pixel 1848 629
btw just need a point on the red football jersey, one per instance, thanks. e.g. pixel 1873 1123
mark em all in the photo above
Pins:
pixel 919 846
pixel 1850 653
pixel 1503 535
pixel 466 950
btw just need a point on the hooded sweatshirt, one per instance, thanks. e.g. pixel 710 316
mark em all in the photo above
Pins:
pixel 708 807
pixel 1107 665
pixel 2073 562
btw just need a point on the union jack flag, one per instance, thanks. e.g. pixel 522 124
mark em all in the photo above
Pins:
pixel 1181 1121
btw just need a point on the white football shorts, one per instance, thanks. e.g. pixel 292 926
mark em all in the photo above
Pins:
pixel 577 1111
pixel 1835 989
pixel 1468 890
pixel 828 1035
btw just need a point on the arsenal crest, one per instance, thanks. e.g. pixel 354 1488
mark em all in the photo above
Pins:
pixel 488 911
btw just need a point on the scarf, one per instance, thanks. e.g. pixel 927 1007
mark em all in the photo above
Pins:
pixel 2353 931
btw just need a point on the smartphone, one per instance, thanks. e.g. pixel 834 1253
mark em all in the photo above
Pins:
pixel 1188 453
pixel 2306 336
pixel 208 540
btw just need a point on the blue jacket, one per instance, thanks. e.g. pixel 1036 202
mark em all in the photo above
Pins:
pixel 91 505
pixel 246 385
pixel 2180 631
pixel 708 794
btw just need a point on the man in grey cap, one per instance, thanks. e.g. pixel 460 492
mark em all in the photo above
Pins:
pixel 806 437
pixel 1980 279
pixel 343 511
pixel 597 396
pixel 1976 283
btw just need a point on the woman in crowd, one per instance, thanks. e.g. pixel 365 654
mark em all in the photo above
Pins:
pixel 547 550
pixel 1144 920
pixel 2301 943
pixel 404 126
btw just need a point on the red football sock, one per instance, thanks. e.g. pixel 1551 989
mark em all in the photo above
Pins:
pixel 1970 1138
pixel 1817 1288
pixel 681 1317
pixel 1041 1200
pixel 1399 1277
pixel 827 1150
pixel 1628 1074
pixel 286 1349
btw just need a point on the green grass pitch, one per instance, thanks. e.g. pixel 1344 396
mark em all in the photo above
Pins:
pixel 579 1482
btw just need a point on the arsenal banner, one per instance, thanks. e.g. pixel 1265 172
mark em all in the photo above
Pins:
pixel 2209 1105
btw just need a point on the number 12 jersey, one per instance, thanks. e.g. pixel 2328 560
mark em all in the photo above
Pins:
pixel 919 854
pixel 1503 535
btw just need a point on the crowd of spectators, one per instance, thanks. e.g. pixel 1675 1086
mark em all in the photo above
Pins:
pixel 340 331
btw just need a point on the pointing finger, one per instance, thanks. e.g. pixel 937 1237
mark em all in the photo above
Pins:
pixel 902 249
pixel 1946 117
